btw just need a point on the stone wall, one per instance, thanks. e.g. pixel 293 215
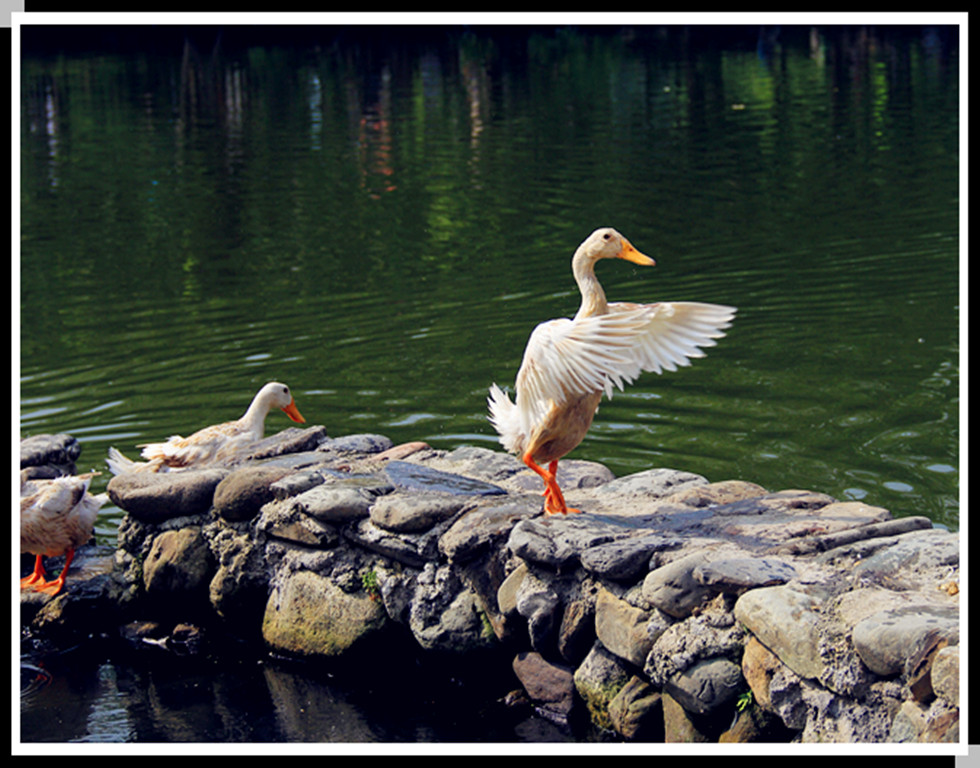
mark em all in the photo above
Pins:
pixel 674 609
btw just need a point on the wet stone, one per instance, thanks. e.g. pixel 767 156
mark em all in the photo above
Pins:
pixel 417 477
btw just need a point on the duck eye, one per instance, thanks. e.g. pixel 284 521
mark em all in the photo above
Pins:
pixel 606 236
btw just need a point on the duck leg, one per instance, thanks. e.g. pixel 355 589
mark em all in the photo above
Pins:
pixel 54 587
pixel 554 500
pixel 38 576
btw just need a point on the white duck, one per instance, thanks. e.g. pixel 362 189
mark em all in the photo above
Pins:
pixel 56 518
pixel 211 444
pixel 569 363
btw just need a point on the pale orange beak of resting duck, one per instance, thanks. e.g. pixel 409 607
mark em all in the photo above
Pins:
pixel 631 254
pixel 293 412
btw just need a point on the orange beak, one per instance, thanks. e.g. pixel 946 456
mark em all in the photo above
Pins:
pixel 293 412
pixel 631 254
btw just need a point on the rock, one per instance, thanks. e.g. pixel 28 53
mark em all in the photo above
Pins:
pixel 576 634
pixel 625 558
pixel 636 712
pixel 599 679
pixel 241 494
pixel 706 686
pixel 759 665
pixel 485 526
pixel 558 540
pixel 445 615
pixel 914 558
pixel 753 725
pixel 507 592
pixel 414 550
pixel 711 635
pixel 650 484
pixel 156 497
pixel 621 628
pixel 886 640
pixel 549 686
pixel 540 605
pixel 238 590
pixel 402 512
pixel 284 520
pixel 680 726
pixel 946 674
pixel 785 621
pixel 359 444
pixel 307 614
pixel 49 455
pixel 410 476
pixel 178 566
pixel 402 451
pixel 293 440
pixel 738 575
pixel 674 589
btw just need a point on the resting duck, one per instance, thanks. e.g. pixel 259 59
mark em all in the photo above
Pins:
pixel 211 444
pixel 569 363
pixel 57 516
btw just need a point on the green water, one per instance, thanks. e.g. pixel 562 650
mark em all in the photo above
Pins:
pixel 379 217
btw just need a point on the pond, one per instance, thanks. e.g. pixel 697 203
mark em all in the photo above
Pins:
pixel 379 216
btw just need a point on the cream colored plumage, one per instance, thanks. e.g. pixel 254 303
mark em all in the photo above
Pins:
pixel 57 516
pixel 570 363
pixel 214 444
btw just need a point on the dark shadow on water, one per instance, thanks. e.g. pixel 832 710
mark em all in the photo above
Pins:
pixel 110 691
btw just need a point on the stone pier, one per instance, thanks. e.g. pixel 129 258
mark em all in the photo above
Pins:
pixel 674 609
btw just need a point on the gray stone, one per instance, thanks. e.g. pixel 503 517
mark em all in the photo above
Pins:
pixel 241 494
pixel 886 640
pixel 626 558
pixel 540 605
pixel 485 527
pixel 296 482
pixel 155 497
pixel 558 540
pixel 418 477
pixel 674 589
pixel 650 484
pixel 293 440
pixel 785 621
pixel 179 565
pixel 330 503
pixel 738 575
pixel 285 521
pixel 706 686
pixel 599 679
pixel 403 512
pixel 57 452
pixel 444 614
pixel 357 444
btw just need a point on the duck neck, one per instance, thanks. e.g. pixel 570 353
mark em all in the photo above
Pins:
pixel 254 417
pixel 593 297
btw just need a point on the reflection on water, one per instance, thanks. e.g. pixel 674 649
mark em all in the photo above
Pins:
pixel 379 217
pixel 150 696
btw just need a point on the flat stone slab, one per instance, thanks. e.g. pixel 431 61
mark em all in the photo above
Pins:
pixel 412 476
